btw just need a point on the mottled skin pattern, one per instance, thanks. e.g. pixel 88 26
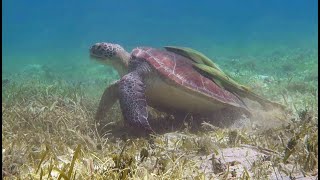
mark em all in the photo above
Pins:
pixel 132 98
pixel 105 50
pixel 157 76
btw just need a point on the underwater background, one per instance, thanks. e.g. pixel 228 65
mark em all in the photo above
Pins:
pixel 59 33
pixel 51 89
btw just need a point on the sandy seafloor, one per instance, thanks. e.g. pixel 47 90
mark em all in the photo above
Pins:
pixel 48 110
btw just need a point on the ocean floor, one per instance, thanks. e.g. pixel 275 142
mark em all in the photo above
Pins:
pixel 48 130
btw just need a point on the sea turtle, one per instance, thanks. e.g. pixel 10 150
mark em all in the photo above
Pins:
pixel 165 79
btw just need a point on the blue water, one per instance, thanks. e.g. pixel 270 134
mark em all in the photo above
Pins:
pixel 59 32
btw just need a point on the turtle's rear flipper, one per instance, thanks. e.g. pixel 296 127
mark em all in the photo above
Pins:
pixel 133 101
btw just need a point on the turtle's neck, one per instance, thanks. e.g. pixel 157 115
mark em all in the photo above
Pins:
pixel 122 66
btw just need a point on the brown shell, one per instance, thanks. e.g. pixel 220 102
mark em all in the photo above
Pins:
pixel 179 69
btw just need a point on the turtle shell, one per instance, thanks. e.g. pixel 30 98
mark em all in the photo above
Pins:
pixel 179 71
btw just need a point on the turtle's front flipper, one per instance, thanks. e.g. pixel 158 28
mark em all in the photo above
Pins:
pixel 133 101
pixel 109 97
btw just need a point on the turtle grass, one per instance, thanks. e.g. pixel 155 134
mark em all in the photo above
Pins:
pixel 48 133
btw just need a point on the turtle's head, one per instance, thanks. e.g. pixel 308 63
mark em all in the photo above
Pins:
pixel 111 54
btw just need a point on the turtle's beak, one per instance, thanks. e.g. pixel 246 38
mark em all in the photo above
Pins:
pixel 94 56
pixel 96 52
